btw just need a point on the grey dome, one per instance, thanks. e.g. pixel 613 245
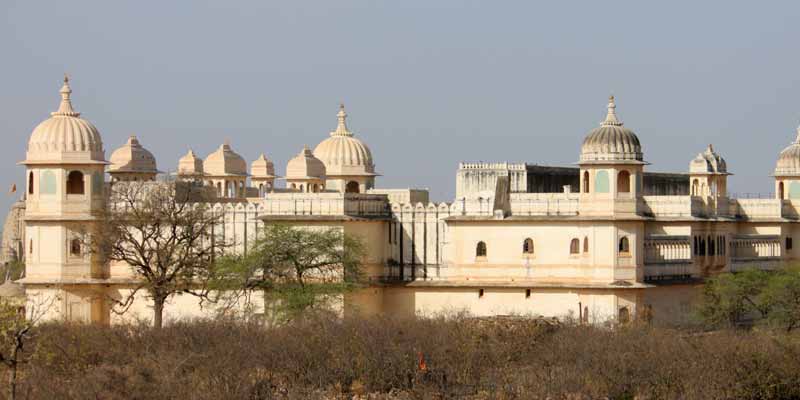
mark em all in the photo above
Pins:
pixel 611 142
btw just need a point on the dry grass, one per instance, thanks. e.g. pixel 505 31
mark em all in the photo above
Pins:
pixel 325 357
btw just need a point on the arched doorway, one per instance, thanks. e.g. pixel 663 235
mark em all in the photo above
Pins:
pixel 352 187
pixel 624 182
pixel 780 191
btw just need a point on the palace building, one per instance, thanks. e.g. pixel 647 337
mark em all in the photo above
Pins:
pixel 604 240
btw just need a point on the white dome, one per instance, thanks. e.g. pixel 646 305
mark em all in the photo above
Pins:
pixel 344 154
pixel 262 168
pixel 305 166
pixel 132 157
pixel 224 161
pixel 611 142
pixel 708 162
pixel 789 160
pixel 65 137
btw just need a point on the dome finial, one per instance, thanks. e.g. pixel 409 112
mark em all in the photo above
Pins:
pixel 341 128
pixel 65 108
pixel 797 139
pixel 611 117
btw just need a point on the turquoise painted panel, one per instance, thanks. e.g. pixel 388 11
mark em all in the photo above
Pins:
pixel 794 190
pixel 47 184
pixel 98 181
pixel 601 182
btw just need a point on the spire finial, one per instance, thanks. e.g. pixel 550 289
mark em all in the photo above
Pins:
pixel 65 108
pixel 611 117
pixel 797 139
pixel 341 127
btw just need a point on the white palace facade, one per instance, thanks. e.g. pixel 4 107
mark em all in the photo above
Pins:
pixel 603 240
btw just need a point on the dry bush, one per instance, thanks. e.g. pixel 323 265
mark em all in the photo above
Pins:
pixel 327 357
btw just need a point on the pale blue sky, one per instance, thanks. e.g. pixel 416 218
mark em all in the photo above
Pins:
pixel 426 83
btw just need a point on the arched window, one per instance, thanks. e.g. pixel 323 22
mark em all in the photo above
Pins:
pixel 527 246
pixel 585 181
pixel 601 182
pixel 695 188
pixel 75 247
pixel 30 182
pixel 352 187
pixel 480 249
pixel 624 315
pixel 75 182
pixel 780 191
pixel 294 186
pixel 624 245
pixel 219 189
pixel 585 244
pixel 575 246
pixel 624 182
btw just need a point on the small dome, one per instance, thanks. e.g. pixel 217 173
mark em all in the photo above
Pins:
pixel 708 162
pixel 224 161
pixel 11 290
pixel 789 160
pixel 65 137
pixel 190 164
pixel 344 154
pixel 262 168
pixel 132 157
pixel 305 166
pixel 611 142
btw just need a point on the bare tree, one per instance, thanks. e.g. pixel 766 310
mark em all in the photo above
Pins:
pixel 165 232
pixel 18 319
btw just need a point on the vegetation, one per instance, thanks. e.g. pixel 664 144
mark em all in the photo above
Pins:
pixel 12 270
pixel 294 268
pixel 165 232
pixel 328 357
pixel 753 297
pixel 17 322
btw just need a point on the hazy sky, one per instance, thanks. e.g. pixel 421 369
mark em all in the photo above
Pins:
pixel 426 83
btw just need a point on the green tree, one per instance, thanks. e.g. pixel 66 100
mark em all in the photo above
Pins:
pixel 728 299
pixel 296 268
pixel 781 296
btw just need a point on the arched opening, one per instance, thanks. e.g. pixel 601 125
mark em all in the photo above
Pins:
pixel 585 244
pixel 30 247
pixel 623 316
pixel 624 182
pixel 30 182
pixel 527 246
pixel 260 190
pixel 574 246
pixel 780 191
pixel 302 187
pixel 352 187
pixel 219 189
pixel 75 182
pixel 585 315
pixel 75 247
pixel 585 181
pixel 695 188
pixel 480 249
pixel 624 245
pixel 294 186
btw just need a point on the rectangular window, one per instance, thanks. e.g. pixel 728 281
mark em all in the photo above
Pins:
pixel 789 243
pixel 527 293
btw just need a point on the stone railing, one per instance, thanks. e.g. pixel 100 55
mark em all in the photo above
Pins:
pixel 325 204
pixel 544 204
pixel 753 248
pixel 668 257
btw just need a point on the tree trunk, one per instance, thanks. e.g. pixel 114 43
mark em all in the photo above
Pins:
pixel 158 311
pixel 12 375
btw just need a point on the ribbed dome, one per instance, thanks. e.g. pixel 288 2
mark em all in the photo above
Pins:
pixel 789 160
pixel 343 154
pixel 708 162
pixel 65 137
pixel 262 168
pixel 305 166
pixel 224 161
pixel 611 142
pixel 132 157
pixel 190 164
